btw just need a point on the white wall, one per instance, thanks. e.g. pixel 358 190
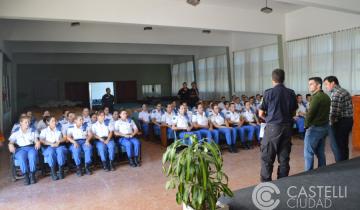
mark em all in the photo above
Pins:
pixel 311 21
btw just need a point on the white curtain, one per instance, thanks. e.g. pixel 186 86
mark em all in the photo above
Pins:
pixel 335 53
pixel 253 67
pixel 183 72
pixel 212 77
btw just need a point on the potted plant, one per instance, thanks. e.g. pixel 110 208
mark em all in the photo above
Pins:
pixel 196 171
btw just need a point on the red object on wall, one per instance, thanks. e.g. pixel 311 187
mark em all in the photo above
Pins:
pixel 126 91
pixel 356 126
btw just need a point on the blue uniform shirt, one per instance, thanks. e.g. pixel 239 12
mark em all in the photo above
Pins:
pixel 280 105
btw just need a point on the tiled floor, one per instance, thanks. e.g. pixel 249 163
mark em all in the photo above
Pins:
pixel 128 188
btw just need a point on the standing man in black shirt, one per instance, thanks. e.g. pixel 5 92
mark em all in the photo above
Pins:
pixel 278 107
pixel 184 93
pixel 193 94
pixel 108 100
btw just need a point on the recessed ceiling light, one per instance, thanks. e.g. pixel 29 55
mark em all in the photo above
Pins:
pixel 193 2
pixel 73 24
pixel 266 9
pixel 148 28
pixel 206 31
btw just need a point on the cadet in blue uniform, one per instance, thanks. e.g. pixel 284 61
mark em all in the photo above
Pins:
pixel 69 122
pixel 250 119
pixel 16 126
pixel 53 149
pixel 27 144
pixel 300 116
pixel 144 119
pixel 103 133
pixel 107 113
pixel 201 123
pixel 126 129
pixel 41 124
pixel 182 125
pixel 64 117
pixel 156 118
pixel 29 114
pixel 167 119
pixel 80 137
pixel 174 107
pixel 86 115
pixel 219 123
pixel 93 118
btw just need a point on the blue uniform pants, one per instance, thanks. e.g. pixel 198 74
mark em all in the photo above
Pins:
pixel 205 133
pixel 227 133
pixel 27 158
pixel 145 129
pixel 132 146
pixel 76 152
pixel 188 140
pixel 55 155
pixel 105 150
pixel 300 124
pixel 249 129
pixel 170 133
pixel 156 130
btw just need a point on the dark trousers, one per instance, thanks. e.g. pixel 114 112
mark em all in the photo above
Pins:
pixel 342 130
pixel 276 142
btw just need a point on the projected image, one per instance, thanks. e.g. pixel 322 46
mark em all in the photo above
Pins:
pixel 97 90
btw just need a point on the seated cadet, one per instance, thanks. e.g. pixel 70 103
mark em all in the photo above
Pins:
pixel 250 119
pixel 166 120
pixel 219 123
pixel 308 99
pixel 86 115
pixel 108 115
pixel 105 144
pixel 93 118
pixel 41 124
pixel 144 119
pixel 201 124
pixel 27 144
pixel 126 130
pixel 209 110
pixel 156 118
pixel 80 138
pixel 174 107
pixel 222 103
pixel 70 122
pixel 187 111
pixel 257 100
pixel 182 125
pixel 238 105
pixel 244 127
pixel 300 116
pixel 115 117
pixel 244 98
pixel 29 114
pixel 16 126
pixel 226 108
pixel 252 104
pixel 53 150
pixel 63 118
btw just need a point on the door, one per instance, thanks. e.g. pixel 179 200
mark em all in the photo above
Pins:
pixel 126 91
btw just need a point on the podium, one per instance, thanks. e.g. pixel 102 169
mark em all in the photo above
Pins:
pixel 356 126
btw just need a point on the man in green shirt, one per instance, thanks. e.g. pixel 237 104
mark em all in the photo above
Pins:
pixel 317 124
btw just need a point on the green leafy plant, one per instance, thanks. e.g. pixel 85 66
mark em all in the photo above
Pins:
pixel 196 171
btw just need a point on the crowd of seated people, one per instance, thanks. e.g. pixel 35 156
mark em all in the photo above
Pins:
pixel 75 134
pixel 78 135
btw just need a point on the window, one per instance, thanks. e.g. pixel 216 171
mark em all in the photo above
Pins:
pixel 151 90
pixel 183 72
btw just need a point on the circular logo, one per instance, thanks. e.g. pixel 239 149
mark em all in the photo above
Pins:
pixel 262 196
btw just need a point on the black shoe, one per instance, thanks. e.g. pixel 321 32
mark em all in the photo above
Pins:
pixel 234 148
pixel 230 149
pixel 105 166
pixel 61 172
pixel 246 145
pixel 53 174
pixel 111 165
pixel 137 161
pixel 87 169
pixel 132 163
pixel 78 171
pixel 26 179
pixel 32 178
